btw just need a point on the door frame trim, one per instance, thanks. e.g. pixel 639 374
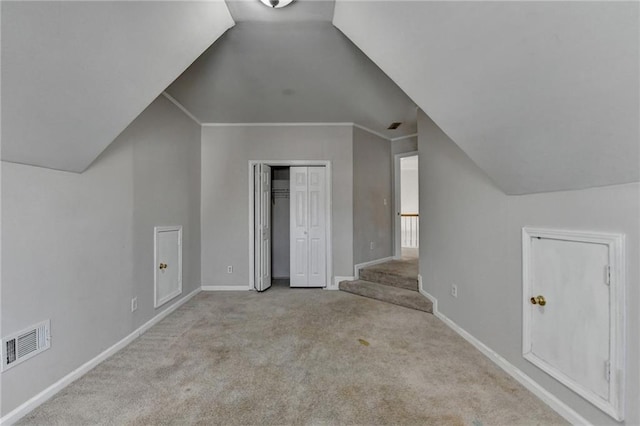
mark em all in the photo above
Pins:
pixel 328 209
pixel 397 200
pixel 156 230
pixel 614 407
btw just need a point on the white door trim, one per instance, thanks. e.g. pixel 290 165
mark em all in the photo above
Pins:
pixel 397 202
pixel 328 209
pixel 156 230
pixel 615 242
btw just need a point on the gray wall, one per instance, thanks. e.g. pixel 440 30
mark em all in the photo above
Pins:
pixel 226 152
pixel 77 247
pixel 404 145
pixel 166 191
pixel 372 183
pixel 280 231
pixel 472 238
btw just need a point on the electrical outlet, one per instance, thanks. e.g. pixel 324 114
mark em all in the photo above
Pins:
pixel 454 290
pixel 134 304
pixel 385 201
pixel 229 269
pixel 372 245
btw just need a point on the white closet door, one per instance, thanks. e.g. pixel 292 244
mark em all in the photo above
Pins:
pixel 263 227
pixel 299 226
pixel 308 227
pixel 317 229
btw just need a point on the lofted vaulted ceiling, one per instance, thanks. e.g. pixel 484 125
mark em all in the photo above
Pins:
pixel 76 73
pixel 543 96
pixel 261 72
pixel 291 65
pixel 297 11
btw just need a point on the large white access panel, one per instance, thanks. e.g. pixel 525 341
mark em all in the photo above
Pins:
pixel 573 312
pixel 168 263
pixel 262 223
pixel 308 227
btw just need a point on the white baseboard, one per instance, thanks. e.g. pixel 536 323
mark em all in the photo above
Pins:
pixel 226 288
pixel 356 268
pixel 336 282
pixel 423 292
pixel 31 404
pixel 547 397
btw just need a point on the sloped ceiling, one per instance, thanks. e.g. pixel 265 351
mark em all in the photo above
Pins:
pixel 541 95
pixel 76 73
pixel 284 72
pixel 297 11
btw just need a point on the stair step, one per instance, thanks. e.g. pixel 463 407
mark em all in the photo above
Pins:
pixel 385 293
pixel 379 275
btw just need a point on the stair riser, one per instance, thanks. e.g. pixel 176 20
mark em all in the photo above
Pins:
pixel 413 302
pixel 389 279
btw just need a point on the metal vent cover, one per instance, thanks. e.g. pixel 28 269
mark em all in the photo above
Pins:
pixel 25 344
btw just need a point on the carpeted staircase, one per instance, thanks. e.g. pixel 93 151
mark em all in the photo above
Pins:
pixel 394 282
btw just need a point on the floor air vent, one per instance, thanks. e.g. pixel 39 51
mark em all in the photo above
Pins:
pixel 23 345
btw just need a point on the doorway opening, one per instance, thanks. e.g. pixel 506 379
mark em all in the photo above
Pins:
pixel 290 224
pixel 280 224
pixel 407 220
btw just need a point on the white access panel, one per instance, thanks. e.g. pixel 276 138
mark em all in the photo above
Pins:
pixel 308 227
pixel 167 263
pixel 572 312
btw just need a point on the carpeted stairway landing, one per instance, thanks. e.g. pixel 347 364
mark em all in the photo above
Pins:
pixel 394 282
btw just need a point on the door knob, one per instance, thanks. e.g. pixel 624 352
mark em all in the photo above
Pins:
pixel 163 266
pixel 538 300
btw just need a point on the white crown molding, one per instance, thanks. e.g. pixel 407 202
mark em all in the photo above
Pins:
pixel 275 124
pixel 399 138
pixel 287 124
pixel 373 132
pixel 181 107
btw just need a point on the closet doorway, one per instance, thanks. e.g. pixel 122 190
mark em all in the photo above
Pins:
pixel 290 224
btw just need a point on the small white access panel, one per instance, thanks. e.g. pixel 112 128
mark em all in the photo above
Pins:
pixel 168 264
pixel 573 312
pixel 262 223
pixel 308 227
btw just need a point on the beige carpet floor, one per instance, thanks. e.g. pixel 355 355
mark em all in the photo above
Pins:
pixel 295 357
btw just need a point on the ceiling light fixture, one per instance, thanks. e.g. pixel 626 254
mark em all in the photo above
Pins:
pixel 276 4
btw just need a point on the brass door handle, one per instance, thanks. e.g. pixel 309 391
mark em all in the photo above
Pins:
pixel 163 266
pixel 538 300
